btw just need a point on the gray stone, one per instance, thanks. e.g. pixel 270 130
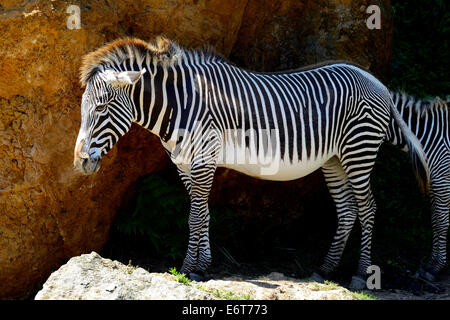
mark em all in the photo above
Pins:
pixel 91 277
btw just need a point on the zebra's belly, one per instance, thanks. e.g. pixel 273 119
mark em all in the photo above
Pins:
pixel 274 168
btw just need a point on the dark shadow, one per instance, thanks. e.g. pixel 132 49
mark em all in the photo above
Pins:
pixel 263 284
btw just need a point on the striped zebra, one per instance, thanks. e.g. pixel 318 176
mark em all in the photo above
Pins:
pixel 429 121
pixel 275 126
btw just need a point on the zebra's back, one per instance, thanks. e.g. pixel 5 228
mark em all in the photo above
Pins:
pixel 283 126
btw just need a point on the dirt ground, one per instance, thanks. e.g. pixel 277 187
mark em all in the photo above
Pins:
pixel 276 286
pixel 440 290
pixel 286 278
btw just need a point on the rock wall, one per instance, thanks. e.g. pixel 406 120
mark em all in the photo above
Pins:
pixel 279 35
pixel 49 212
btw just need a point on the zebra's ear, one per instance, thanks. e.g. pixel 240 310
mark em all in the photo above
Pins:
pixel 124 78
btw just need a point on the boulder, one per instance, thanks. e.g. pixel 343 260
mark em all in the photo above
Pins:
pixel 91 277
pixel 280 35
pixel 48 211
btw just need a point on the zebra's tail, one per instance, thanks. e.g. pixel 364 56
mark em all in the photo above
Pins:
pixel 415 150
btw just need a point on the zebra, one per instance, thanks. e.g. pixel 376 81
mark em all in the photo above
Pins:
pixel 209 113
pixel 429 119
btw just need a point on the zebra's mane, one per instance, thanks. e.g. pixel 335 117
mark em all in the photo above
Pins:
pixel 166 52
pixel 421 106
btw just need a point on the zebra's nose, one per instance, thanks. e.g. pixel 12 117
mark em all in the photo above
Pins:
pixel 90 165
pixel 80 156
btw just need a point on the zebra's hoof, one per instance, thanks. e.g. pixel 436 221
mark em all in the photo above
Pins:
pixel 358 283
pixel 317 278
pixel 196 276
pixel 423 274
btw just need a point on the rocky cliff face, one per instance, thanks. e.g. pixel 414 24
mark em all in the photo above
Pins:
pixel 279 35
pixel 49 212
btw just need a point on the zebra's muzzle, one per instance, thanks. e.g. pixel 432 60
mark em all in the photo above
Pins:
pixel 91 165
pixel 87 165
pixel 83 161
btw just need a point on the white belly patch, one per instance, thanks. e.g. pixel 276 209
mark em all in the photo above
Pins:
pixel 271 167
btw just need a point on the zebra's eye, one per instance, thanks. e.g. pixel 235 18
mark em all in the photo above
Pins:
pixel 100 107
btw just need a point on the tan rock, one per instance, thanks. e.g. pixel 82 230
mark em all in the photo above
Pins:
pixel 48 211
pixel 279 35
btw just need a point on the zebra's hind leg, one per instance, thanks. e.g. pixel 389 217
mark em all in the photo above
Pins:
pixel 347 210
pixel 358 174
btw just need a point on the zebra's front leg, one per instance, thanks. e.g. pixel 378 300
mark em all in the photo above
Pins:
pixel 347 210
pixel 198 256
pixel 185 177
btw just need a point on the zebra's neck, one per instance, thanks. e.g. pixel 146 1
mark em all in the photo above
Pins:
pixel 176 96
pixel 153 98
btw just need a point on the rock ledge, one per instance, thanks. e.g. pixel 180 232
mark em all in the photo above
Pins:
pixel 91 277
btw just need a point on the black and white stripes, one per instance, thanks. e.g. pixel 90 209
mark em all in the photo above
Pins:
pixel 429 121
pixel 210 113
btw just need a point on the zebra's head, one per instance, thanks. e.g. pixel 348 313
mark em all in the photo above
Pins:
pixel 106 115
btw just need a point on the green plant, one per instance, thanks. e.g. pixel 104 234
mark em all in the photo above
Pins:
pixel 362 295
pixel 181 277
pixel 220 294
pixel 329 285
pixel 421 52
pixel 225 295
pixel 159 217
